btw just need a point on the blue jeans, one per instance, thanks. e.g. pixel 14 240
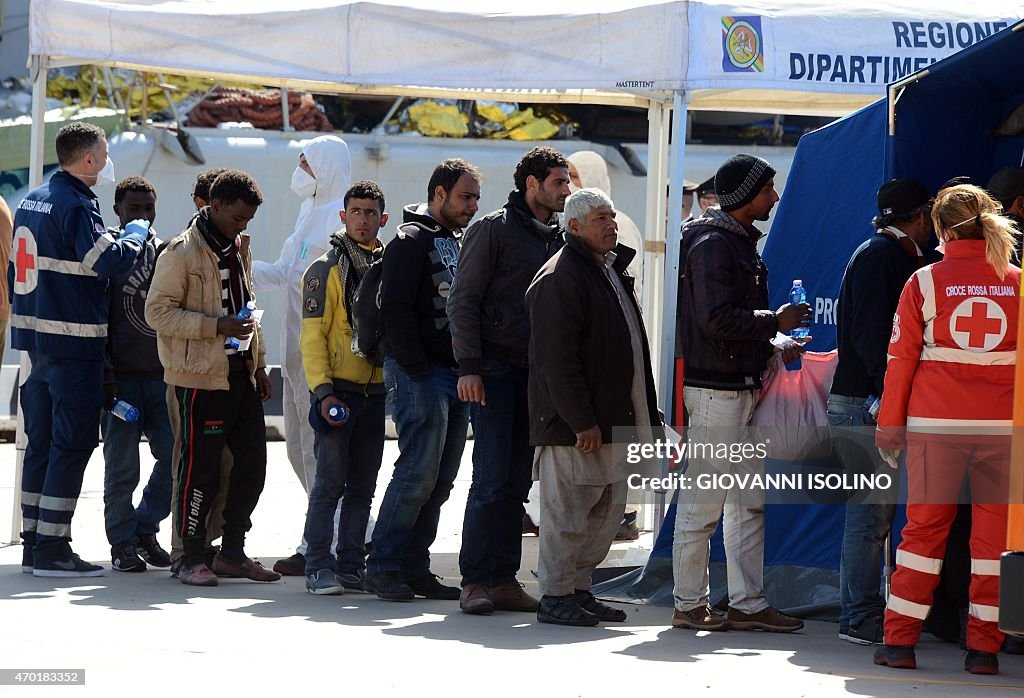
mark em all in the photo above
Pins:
pixel 431 423
pixel 347 461
pixel 124 522
pixel 492 531
pixel 867 524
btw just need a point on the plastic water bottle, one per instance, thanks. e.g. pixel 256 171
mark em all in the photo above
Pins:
pixel 338 414
pixel 243 314
pixel 798 296
pixel 123 410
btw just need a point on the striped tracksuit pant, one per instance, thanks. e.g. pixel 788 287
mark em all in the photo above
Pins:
pixel 209 421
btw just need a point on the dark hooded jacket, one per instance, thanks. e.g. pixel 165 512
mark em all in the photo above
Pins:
pixel 723 326
pixel 417 273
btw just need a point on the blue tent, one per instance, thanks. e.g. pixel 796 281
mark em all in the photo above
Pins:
pixel 934 125
pixel 944 123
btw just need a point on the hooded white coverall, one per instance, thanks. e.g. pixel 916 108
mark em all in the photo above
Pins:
pixel 329 159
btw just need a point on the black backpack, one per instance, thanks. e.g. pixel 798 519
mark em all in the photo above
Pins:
pixel 367 323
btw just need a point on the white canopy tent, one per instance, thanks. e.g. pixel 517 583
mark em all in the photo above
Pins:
pixel 665 55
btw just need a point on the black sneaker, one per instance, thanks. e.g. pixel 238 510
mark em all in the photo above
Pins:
pixel 352 581
pixel 389 586
pixel 26 558
pixel 62 561
pixel 176 566
pixel 867 632
pixel 149 550
pixel 124 558
pixel 430 587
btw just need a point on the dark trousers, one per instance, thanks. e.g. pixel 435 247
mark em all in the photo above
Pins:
pixel 60 402
pixel 211 420
pixel 492 531
pixel 347 462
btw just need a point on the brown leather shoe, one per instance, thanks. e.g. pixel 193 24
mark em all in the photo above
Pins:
pixel 770 619
pixel 250 569
pixel 512 597
pixel 700 618
pixel 475 601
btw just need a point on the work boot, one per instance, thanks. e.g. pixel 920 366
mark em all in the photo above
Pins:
pixel 978 662
pixel 896 656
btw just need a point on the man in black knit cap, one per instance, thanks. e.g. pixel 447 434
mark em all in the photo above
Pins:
pixel 724 331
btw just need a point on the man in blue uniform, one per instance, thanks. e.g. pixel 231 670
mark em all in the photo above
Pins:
pixel 60 262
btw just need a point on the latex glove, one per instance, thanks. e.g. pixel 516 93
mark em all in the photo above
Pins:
pixel 138 226
pixel 891 456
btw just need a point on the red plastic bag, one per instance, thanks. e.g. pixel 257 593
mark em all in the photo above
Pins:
pixel 792 412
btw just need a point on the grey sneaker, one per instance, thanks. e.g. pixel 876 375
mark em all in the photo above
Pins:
pixel 324 582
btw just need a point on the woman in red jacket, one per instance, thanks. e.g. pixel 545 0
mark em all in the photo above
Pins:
pixel 949 401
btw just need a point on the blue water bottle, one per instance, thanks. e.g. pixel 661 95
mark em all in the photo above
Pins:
pixel 798 296
pixel 123 410
pixel 338 414
pixel 243 314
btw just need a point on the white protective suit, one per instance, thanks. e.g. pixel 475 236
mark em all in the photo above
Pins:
pixel 329 159
pixel 593 172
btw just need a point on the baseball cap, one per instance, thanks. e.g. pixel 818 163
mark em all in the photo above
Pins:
pixel 898 197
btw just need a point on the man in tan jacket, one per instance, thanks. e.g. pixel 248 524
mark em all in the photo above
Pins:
pixel 202 281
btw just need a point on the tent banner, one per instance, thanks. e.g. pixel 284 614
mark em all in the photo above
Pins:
pixel 824 46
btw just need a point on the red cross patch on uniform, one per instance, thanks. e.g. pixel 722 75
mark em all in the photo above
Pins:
pixel 978 324
pixel 24 254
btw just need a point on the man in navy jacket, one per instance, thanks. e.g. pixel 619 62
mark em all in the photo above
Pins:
pixel 61 260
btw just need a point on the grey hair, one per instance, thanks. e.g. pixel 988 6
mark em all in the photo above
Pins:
pixel 579 205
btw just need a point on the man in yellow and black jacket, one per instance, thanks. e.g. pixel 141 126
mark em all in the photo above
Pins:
pixel 346 396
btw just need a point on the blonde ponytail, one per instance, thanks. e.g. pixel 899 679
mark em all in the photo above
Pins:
pixel 967 212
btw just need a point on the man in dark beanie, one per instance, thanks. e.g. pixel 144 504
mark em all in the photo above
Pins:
pixel 868 297
pixel 724 327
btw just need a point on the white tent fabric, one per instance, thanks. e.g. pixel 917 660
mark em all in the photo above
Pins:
pixel 801 56
pixel 486 44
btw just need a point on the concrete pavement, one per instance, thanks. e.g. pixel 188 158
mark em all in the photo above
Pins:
pixel 149 633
